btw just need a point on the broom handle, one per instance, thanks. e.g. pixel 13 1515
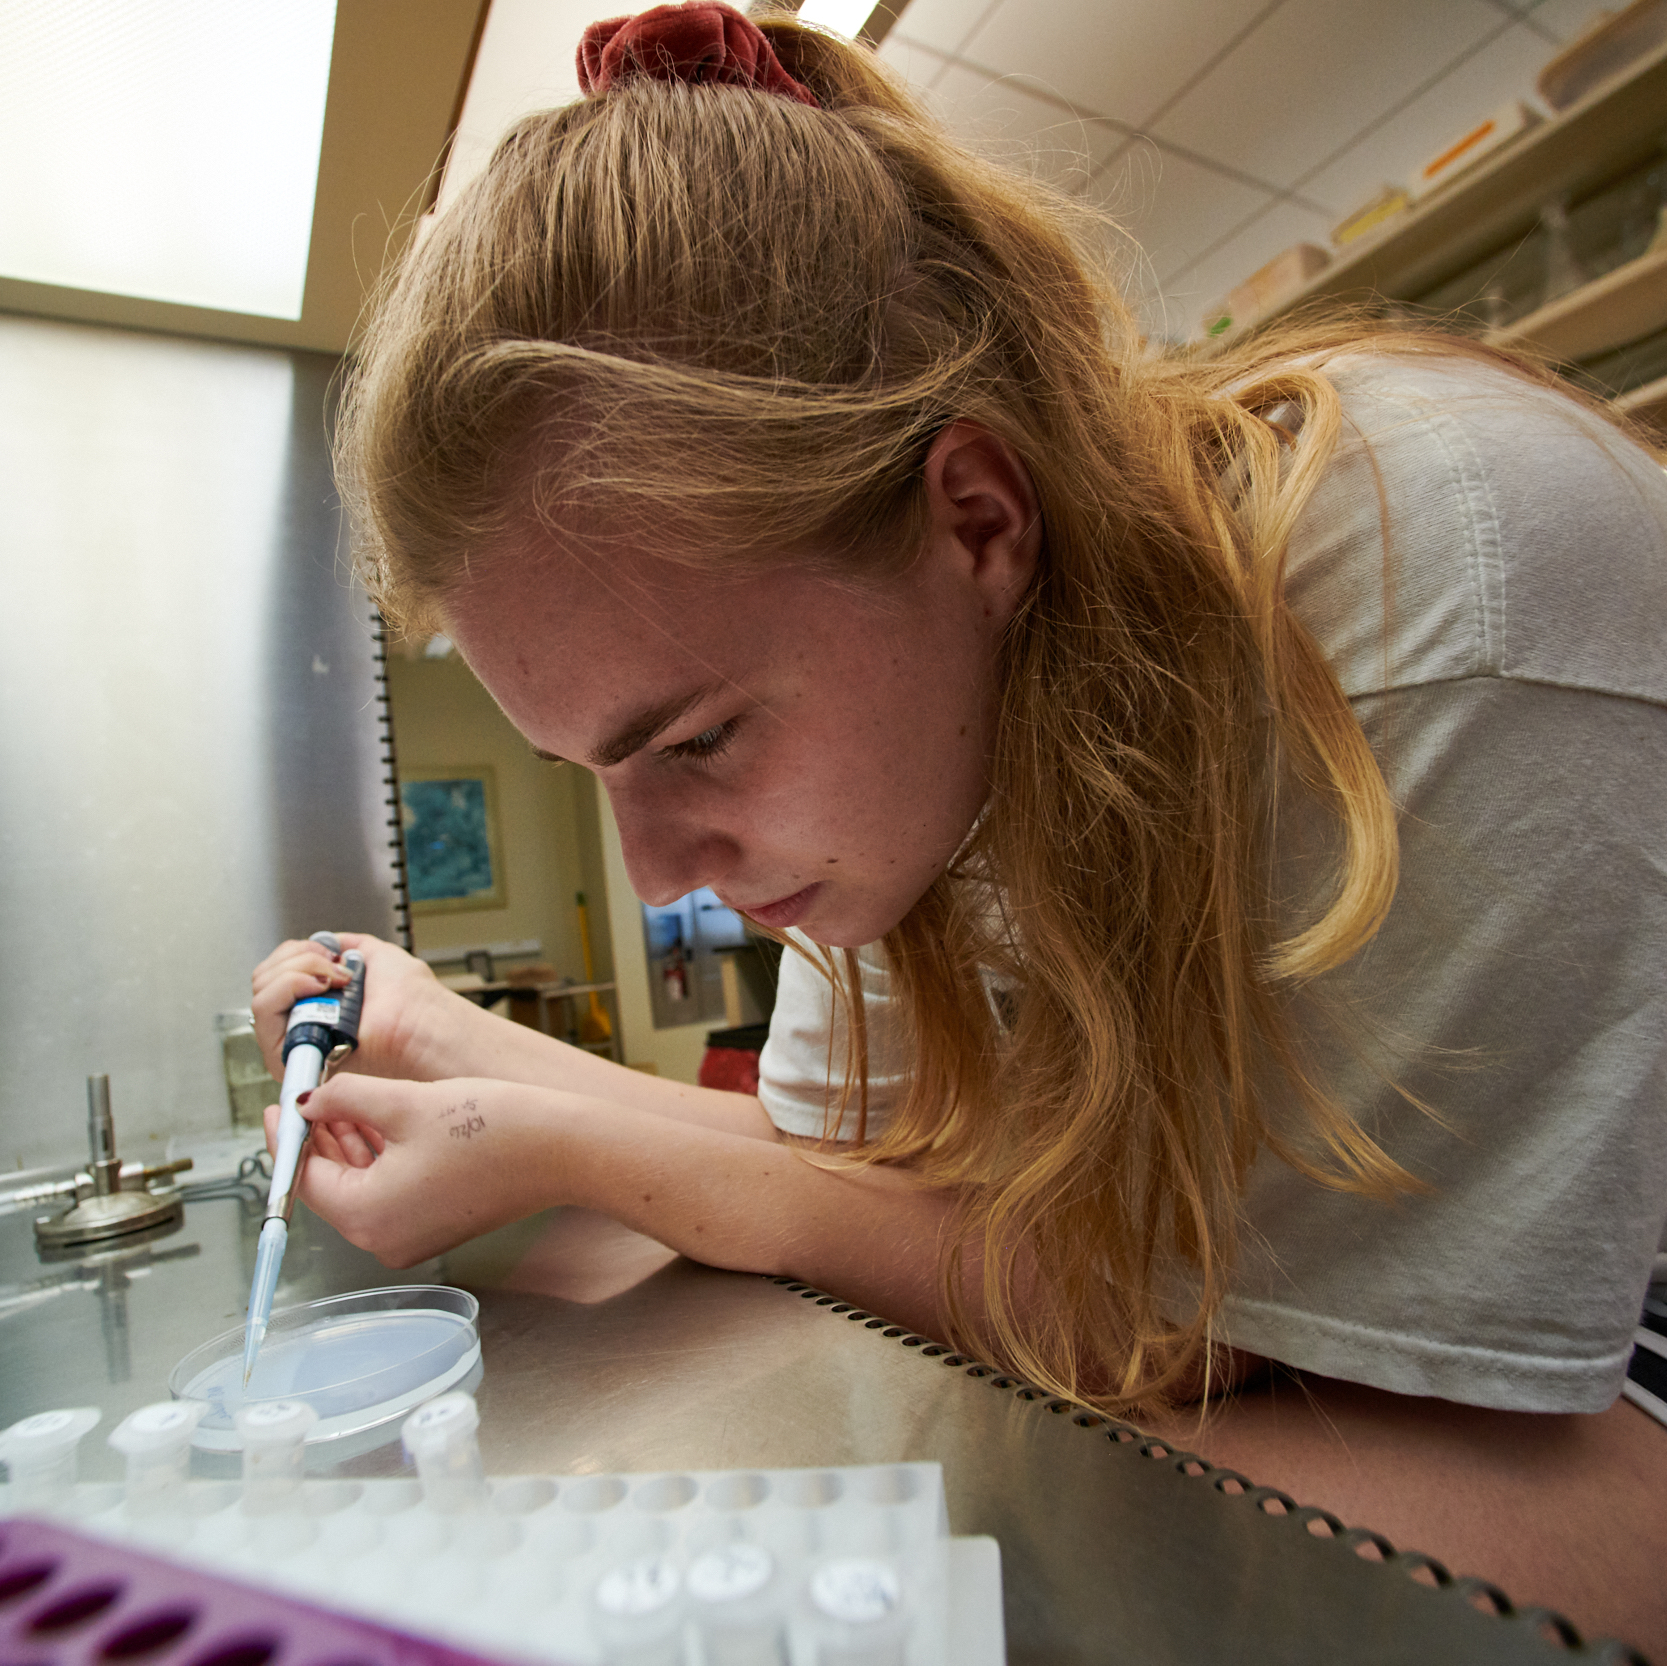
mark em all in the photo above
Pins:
pixel 584 944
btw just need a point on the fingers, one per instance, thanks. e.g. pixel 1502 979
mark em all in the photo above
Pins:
pixel 356 1150
pixel 291 972
pixel 292 956
pixel 375 1109
pixel 325 1143
pixel 306 970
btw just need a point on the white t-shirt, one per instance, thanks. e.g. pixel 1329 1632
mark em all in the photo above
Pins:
pixel 1517 702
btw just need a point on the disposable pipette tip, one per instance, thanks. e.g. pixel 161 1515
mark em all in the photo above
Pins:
pixel 251 1348
pixel 269 1257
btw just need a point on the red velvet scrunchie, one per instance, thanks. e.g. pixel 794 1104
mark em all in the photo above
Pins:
pixel 703 43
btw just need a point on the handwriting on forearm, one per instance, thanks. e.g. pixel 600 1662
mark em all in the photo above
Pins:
pixel 473 1123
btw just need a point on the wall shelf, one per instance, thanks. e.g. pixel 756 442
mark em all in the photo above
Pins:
pixel 1647 404
pixel 1615 127
pixel 1620 307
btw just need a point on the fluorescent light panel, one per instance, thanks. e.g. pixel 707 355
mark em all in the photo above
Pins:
pixel 844 17
pixel 163 148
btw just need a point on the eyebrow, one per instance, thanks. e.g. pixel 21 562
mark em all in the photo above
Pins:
pixel 637 730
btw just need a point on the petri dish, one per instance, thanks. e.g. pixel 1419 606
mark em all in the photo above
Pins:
pixel 359 1361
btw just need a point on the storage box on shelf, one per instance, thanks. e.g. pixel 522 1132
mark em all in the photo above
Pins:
pixel 1493 247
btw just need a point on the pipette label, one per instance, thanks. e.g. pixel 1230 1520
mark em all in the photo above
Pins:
pixel 315 1009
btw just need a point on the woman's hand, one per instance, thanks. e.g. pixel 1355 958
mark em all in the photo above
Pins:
pixel 412 1025
pixel 409 1169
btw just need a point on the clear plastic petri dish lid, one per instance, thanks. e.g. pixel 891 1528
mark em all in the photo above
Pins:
pixel 358 1360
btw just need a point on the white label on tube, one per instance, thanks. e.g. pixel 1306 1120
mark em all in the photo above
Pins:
pixel 43 1423
pixel 638 1588
pixel 269 1413
pixel 729 1574
pixel 315 1009
pixel 164 1418
pixel 857 1591
pixel 437 1413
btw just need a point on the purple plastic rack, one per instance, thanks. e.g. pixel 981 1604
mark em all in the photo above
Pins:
pixel 70 1600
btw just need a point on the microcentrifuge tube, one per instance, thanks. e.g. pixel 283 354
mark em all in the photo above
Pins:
pixel 639 1617
pixel 441 1438
pixel 736 1603
pixel 274 1436
pixel 863 1620
pixel 40 1451
pixel 156 1441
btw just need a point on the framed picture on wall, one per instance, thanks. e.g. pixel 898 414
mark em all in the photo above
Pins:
pixel 453 856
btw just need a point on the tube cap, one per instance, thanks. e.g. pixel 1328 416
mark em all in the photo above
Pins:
pixel 275 1423
pixel 164 1427
pixel 446 1422
pixel 46 1438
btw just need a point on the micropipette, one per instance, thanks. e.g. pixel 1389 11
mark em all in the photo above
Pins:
pixel 322 1030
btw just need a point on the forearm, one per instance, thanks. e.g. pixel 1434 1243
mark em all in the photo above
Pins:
pixel 476 1043
pixel 871 1235
pixel 1561 1510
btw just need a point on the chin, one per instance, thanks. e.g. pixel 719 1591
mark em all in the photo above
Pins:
pixel 847 933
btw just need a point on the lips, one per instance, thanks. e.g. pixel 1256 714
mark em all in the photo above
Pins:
pixel 784 911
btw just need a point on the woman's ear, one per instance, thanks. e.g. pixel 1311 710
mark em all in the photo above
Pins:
pixel 983 513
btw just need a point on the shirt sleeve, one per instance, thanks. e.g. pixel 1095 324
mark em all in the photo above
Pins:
pixel 801 1070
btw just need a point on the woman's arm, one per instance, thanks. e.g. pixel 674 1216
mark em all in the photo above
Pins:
pixel 1559 1510
pixel 414 1028
pixel 1562 1511
pixel 454 1159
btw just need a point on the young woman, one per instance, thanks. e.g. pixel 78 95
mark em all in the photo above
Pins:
pixel 1217 807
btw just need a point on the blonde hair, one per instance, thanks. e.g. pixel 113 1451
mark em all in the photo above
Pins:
pixel 739 321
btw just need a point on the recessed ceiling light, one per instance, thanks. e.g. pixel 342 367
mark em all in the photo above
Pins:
pixel 163 148
pixel 844 17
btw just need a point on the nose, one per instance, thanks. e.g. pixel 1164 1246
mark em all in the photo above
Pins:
pixel 668 854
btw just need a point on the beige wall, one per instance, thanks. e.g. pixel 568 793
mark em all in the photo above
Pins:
pixel 550 840
pixel 674 1052
pixel 557 836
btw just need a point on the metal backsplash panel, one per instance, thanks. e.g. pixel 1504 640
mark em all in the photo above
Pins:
pixel 191 750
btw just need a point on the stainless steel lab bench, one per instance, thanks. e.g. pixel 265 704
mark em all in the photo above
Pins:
pixel 603 1351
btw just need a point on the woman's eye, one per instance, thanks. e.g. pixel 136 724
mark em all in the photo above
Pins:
pixel 709 744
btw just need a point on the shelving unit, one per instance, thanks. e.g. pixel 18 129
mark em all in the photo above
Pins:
pixel 1648 404
pixel 1621 306
pixel 1616 127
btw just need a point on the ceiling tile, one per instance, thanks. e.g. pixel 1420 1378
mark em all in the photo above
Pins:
pixel 1119 58
pixel 919 65
pixel 525 63
pixel 942 24
pixel 1314 74
pixel 1190 292
pixel 1006 121
pixel 1567 18
pixel 1503 70
pixel 1174 209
